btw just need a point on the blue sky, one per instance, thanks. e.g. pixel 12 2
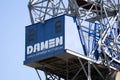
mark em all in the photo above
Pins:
pixel 14 17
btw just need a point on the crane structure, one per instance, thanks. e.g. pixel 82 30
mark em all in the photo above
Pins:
pixel 85 44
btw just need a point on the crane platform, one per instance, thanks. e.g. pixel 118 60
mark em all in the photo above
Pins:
pixel 55 47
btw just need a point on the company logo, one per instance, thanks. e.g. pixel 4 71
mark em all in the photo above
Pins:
pixel 51 43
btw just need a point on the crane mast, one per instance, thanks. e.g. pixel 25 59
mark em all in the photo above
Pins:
pixel 95 34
